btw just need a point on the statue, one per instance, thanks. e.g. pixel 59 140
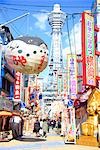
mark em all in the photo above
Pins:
pixel 90 126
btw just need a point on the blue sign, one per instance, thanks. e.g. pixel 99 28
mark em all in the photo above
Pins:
pixel 22 105
pixel 70 103
pixel 40 96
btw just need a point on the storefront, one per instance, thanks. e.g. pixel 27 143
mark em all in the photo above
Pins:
pixel 6 109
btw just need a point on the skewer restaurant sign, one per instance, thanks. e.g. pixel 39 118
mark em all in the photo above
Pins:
pixel 88 50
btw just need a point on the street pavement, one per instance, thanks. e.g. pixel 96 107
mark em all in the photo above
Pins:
pixel 52 142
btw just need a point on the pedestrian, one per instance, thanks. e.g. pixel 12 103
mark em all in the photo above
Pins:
pixel 21 126
pixel 45 128
pixel 36 127
pixel 59 126
pixel 48 121
pixel 41 127
pixel 15 126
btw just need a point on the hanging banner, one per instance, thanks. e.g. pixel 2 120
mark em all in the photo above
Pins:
pixel 70 136
pixel 59 82
pixel 17 92
pixel 0 67
pixel 88 50
pixel 72 76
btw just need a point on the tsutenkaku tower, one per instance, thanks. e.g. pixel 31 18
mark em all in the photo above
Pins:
pixel 56 20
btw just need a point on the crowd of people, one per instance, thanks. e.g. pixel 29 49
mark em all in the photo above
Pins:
pixel 42 126
pixel 39 127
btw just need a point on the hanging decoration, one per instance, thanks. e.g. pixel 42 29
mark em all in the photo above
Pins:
pixel 28 55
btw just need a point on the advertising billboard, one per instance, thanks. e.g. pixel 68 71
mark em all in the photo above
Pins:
pixel 70 136
pixel 88 50
pixel 72 76
pixel 17 92
pixel 0 68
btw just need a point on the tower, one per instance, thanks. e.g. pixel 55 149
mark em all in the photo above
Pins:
pixel 56 20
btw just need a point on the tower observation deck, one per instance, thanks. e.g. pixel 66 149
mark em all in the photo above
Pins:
pixel 56 20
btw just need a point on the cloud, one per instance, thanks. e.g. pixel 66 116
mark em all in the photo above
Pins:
pixel 75 39
pixel 41 20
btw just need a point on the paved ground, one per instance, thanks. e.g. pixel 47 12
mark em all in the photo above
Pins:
pixel 53 142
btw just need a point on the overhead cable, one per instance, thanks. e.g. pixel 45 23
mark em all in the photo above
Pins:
pixel 74 39
pixel 68 35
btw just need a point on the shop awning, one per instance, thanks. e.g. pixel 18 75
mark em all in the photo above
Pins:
pixel 16 113
pixel 5 113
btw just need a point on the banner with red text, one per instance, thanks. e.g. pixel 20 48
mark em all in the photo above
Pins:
pixel 88 50
pixel 17 92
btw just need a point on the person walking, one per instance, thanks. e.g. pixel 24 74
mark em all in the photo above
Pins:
pixel 45 128
pixel 36 127
pixel 48 122
pixel 15 122
pixel 41 127
pixel 59 126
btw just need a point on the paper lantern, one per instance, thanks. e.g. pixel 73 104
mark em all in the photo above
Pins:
pixel 28 55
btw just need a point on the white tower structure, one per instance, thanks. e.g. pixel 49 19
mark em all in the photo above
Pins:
pixel 56 20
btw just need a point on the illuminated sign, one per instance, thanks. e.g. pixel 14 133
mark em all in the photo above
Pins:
pixel 17 96
pixel 72 76
pixel 88 50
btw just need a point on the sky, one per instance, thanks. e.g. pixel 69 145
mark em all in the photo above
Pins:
pixel 36 23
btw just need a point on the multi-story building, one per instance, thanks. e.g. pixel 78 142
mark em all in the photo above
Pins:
pixel 6 72
pixel 96 13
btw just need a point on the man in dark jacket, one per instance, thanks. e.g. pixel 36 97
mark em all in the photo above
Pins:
pixel 36 127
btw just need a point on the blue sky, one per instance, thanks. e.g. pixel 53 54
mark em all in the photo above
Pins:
pixel 36 23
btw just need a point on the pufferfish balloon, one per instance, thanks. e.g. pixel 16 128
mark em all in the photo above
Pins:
pixel 28 55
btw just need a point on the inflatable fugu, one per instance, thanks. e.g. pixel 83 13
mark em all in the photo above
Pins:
pixel 28 55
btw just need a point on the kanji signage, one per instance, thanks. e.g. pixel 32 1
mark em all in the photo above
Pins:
pixel 72 76
pixel 17 96
pixel 88 50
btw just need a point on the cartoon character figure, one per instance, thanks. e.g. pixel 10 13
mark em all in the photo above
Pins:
pixel 89 127
pixel 27 55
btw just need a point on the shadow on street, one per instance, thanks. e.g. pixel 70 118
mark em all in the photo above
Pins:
pixel 31 139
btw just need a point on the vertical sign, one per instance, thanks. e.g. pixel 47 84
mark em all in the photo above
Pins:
pixel 88 50
pixel 60 88
pixel 72 76
pixel 71 126
pixel 17 96
pixel 0 67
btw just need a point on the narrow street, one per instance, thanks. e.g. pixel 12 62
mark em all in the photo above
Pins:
pixel 53 142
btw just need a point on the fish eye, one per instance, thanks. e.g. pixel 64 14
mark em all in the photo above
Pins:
pixel 34 52
pixel 19 51
pixel 41 51
pixel 27 55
